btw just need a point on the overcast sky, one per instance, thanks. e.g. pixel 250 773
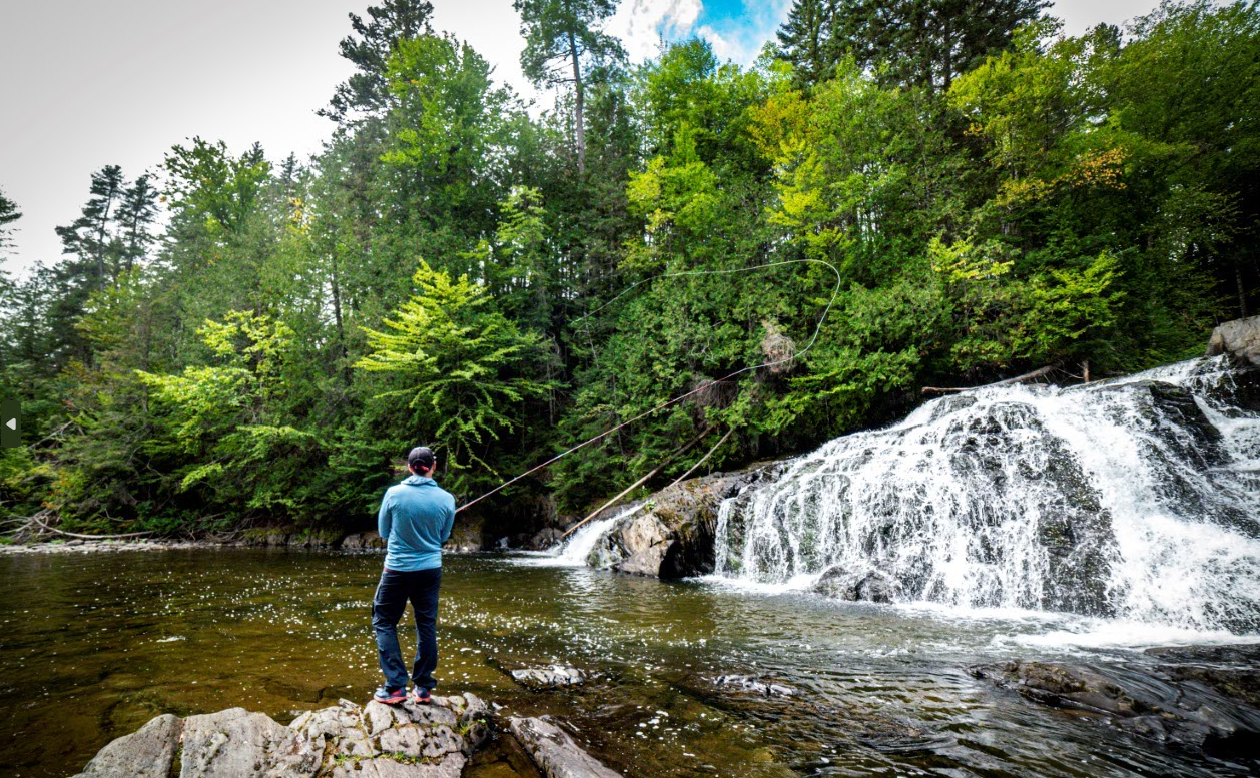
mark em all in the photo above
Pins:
pixel 86 83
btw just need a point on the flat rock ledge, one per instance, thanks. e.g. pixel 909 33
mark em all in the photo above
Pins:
pixel 405 741
pixel 1199 698
pixel 345 741
pixel 555 753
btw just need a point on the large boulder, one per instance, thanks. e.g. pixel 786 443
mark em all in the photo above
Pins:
pixel 146 753
pixel 1240 338
pixel 671 534
pixel 407 741
pixel 235 743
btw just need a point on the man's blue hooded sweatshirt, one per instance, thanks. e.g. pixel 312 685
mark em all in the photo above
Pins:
pixel 416 518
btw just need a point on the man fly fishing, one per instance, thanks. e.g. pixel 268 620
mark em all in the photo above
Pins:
pixel 415 519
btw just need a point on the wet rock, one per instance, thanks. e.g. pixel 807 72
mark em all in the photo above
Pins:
pixel 671 534
pixel 874 586
pixel 1175 705
pixel 1240 338
pixel 362 541
pixel 544 539
pixel 1232 672
pixel 414 741
pixel 553 677
pixel 754 685
pixel 555 753
pixel 235 743
pixel 145 753
pixel 877 587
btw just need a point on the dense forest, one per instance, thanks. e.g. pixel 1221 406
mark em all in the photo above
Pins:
pixel 240 340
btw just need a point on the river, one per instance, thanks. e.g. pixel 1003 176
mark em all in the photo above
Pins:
pixel 96 644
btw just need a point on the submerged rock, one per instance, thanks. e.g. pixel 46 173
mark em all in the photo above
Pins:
pixel 751 683
pixel 555 753
pixel 553 677
pixel 1191 702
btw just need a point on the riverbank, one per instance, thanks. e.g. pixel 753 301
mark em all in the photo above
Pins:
pixel 358 542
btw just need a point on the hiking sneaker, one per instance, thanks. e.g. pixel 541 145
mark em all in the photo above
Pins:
pixel 388 697
pixel 421 696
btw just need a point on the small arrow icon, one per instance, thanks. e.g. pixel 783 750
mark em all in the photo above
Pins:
pixel 11 413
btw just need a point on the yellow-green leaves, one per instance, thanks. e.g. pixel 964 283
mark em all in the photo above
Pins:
pixel 464 369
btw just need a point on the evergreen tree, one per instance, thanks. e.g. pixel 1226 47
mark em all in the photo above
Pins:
pixel 366 93
pixel 563 43
pixel 927 43
pixel 805 40
pixel 136 213
pixel 89 237
pixel 9 213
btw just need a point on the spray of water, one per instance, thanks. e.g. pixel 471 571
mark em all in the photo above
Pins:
pixel 1136 499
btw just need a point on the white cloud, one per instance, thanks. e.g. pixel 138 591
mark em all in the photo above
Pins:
pixel 642 24
pixel 722 48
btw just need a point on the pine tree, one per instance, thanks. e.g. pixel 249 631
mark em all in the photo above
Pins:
pixel 88 237
pixel 928 43
pixel 9 213
pixel 136 213
pixel 366 93
pixel 805 41
pixel 562 44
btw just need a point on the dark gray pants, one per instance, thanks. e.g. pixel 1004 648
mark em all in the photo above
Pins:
pixel 395 589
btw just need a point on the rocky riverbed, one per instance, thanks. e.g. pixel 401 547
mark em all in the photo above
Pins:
pixel 1205 698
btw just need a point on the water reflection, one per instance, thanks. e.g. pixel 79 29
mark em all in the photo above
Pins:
pixel 95 645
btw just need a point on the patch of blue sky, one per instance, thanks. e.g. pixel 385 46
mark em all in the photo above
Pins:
pixel 737 29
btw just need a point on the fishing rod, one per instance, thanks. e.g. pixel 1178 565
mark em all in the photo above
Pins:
pixel 795 355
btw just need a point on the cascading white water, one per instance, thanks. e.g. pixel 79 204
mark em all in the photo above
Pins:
pixel 576 550
pixel 1137 498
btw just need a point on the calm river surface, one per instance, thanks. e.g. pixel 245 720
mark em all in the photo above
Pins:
pixel 94 645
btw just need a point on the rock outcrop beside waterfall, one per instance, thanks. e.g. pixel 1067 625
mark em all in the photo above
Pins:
pixel 403 741
pixel 1240 338
pixel 671 535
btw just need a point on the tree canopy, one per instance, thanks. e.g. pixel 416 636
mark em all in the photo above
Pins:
pixel 244 339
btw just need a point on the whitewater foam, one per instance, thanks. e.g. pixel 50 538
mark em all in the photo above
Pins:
pixel 1127 498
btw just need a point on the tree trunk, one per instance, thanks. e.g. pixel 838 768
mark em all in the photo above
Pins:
pixel 1242 293
pixel 579 129
pixel 341 333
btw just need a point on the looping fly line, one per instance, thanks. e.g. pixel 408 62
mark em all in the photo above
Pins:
pixel 795 355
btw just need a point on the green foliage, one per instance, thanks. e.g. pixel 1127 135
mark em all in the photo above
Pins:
pixel 995 197
pixel 207 185
pixel 463 369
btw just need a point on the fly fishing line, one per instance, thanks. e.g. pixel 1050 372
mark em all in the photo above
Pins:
pixel 771 363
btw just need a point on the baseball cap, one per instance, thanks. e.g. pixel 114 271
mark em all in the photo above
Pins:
pixel 421 457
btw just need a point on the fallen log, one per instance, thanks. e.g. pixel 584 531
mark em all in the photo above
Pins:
pixel 1019 379
pixel 35 518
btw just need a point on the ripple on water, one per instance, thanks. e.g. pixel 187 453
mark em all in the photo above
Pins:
pixel 882 690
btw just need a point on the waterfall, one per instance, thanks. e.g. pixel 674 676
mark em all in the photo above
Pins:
pixel 1137 498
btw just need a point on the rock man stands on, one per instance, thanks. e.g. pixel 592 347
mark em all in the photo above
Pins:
pixel 415 519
